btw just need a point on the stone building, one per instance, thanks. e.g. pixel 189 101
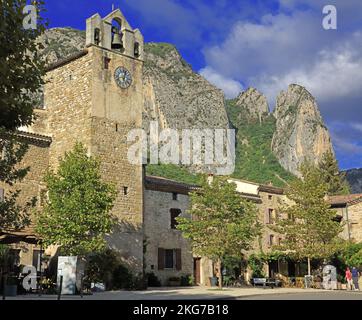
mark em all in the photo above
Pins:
pixel 349 210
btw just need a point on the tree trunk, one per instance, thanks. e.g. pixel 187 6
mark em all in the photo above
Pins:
pixel 309 271
pixel 219 273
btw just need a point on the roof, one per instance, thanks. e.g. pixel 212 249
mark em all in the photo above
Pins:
pixel 66 60
pixel 167 185
pixel 270 189
pixel 345 199
pixel 34 137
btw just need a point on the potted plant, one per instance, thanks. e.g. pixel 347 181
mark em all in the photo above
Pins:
pixel 174 282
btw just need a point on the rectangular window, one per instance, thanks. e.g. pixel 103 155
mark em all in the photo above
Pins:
pixel 270 197
pixel 174 214
pixel 125 191
pixel 271 216
pixel 37 257
pixel 271 240
pixel 15 257
pixel 106 63
pixel 174 196
pixel 169 259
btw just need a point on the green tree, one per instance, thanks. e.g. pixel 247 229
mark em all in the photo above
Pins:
pixel 331 175
pixel 77 214
pixel 21 73
pixel 21 68
pixel 308 227
pixel 222 223
pixel 13 215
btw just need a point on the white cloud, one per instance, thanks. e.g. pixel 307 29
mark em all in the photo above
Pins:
pixel 230 87
pixel 357 126
pixel 333 75
pixel 293 48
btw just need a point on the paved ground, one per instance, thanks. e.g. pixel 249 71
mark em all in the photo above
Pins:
pixel 211 294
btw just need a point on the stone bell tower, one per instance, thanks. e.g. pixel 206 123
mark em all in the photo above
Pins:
pixel 116 108
pixel 95 97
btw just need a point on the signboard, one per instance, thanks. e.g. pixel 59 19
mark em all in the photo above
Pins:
pixel 71 269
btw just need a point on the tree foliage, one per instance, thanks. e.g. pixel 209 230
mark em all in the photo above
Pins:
pixel 331 175
pixel 13 214
pixel 222 223
pixel 77 214
pixel 21 69
pixel 255 160
pixel 308 225
pixel 21 73
pixel 351 255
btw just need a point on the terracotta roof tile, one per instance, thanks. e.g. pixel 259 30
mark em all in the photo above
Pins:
pixel 344 199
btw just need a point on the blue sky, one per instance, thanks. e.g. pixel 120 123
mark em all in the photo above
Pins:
pixel 266 44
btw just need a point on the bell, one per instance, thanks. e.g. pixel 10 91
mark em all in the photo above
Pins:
pixel 117 42
pixel 97 36
pixel 136 50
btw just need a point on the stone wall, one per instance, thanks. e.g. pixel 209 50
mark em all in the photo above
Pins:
pixel 158 233
pixel 114 113
pixel 37 158
pixel 68 100
pixel 355 218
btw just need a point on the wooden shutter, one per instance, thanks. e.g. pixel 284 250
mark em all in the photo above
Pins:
pixel 161 259
pixel 178 259
pixel 2 194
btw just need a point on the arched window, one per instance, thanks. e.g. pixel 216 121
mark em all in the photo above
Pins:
pixel 97 36
pixel 136 49
pixel 117 42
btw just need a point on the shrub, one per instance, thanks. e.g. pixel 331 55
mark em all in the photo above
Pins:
pixel 152 280
pixel 107 267
pixel 256 265
pixel 187 281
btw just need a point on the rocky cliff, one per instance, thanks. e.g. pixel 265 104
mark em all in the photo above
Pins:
pixel 300 131
pixel 175 95
pixel 253 105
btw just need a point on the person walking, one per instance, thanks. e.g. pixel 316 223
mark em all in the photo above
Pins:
pixel 355 277
pixel 349 279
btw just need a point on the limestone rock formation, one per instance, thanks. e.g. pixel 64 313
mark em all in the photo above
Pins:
pixel 300 131
pixel 60 43
pixel 253 105
pixel 176 96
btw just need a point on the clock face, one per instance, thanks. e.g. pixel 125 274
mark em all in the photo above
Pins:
pixel 123 77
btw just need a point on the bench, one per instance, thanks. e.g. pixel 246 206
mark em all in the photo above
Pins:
pixel 266 282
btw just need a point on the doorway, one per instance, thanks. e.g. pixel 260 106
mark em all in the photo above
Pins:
pixel 197 271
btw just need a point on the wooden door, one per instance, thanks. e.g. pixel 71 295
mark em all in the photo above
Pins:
pixel 197 270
